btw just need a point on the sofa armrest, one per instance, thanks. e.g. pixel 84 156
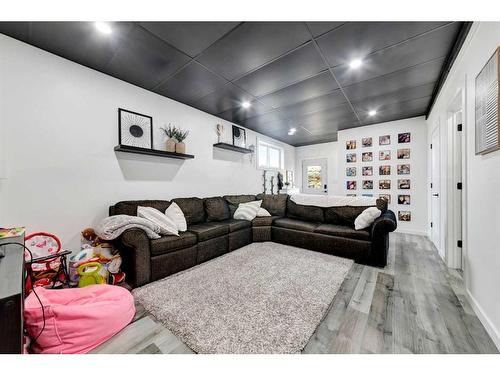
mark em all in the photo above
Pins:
pixel 380 230
pixel 135 249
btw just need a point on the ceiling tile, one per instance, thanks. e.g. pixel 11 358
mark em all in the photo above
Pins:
pixel 416 76
pixel 314 105
pixel 190 37
pixel 18 30
pixel 241 115
pixel 403 109
pixel 315 119
pixel 227 97
pixel 318 28
pixel 358 39
pixel 252 45
pixel 190 84
pixel 433 45
pixel 273 119
pixel 318 85
pixel 294 67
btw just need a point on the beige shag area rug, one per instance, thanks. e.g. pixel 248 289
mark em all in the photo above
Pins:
pixel 262 298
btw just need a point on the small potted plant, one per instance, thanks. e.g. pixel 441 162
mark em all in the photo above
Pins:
pixel 180 136
pixel 170 131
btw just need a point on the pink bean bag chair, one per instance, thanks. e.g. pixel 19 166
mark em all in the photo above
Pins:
pixel 77 320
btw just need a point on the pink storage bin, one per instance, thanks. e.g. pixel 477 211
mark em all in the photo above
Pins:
pixel 79 319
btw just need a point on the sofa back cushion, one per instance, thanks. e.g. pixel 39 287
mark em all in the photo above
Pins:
pixel 274 204
pixel 130 207
pixel 216 209
pixel 307 213
pixel 234 200
pixel 345 215
pixel 192 208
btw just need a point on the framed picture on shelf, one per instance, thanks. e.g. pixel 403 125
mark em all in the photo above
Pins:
pixel 384 155
pixel 350 171
pixel 384 140
pixel 404 215
pixel 387 197
pixel 350 145
pixel 404 169
pixel 403 153
pixel 404 137
pixel 351 185
pixel 135 129
pixel 367 142
pixel 367 156
pixel 404 184
pixel 384 184
pixel 350 158
pixel 403 199
pixel 367 171
pixel 239 137
pixel 384 170
pixel 368 184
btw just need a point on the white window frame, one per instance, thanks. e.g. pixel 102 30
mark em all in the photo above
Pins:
pixel 270 145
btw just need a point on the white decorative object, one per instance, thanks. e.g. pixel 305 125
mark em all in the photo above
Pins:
pixel 175 213
pixel 247 211
pixel 263 212
pixel 366 218
pixel 166 224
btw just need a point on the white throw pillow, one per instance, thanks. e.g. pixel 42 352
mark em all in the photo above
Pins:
pixel 263 212
pixel 366 218
pixel 247 211
pixel 167 225
pixel 175 213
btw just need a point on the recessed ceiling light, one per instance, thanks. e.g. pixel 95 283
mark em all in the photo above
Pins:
pixel 292 131
pixel 356 63
pixel 372 112
pixel 246 104
pixel 103 27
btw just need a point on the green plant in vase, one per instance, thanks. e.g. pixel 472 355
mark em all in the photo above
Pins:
pixel 170 132
pixel 180 136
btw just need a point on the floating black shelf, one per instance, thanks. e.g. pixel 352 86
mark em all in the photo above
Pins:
pixel 227 146
pixel 147 151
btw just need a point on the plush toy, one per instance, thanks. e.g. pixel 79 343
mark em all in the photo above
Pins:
pixel 90 274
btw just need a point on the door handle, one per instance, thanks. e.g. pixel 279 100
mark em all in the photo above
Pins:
pixel 435 195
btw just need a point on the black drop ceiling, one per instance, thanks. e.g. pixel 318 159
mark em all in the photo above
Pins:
pixel 294 74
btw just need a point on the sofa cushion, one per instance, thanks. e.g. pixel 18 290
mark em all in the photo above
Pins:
pixel 130 207
pixel 275 204
pixel 234 200
pixel 235 224
pixel 263 221
pixel 167 244
pixel 207 231
pixel 216 209
pixel 343 231
pixel 192 208
pixel 295 224
pixel 345 215
pixel 301 212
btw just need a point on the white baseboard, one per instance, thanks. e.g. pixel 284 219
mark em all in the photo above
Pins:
pixel 409 231
pixel 488 325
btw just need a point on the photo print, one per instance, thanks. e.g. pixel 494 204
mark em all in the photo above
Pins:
pixel 384 184
pixel 404 169
pixel 384 140
pixel 367 171
pixel 384 170
pixel 368 184
pixel 386 197
pixel 404 184
pixel 384 155
pixel 403 153
pixel 351 185
pixel 404 138
pixel 350 158
pixel 367 142
pixel 350 145
pixel 367 156
pixel 404 199
pixel 350 171
pixel 404 215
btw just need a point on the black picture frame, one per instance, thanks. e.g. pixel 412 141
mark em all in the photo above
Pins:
pixel 121 111
pixel 238 130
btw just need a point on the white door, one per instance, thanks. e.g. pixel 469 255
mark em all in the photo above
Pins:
pixel 435 190
pixel 314 176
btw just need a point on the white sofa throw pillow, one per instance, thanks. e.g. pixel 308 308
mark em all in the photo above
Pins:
pixel 366 218
pixel 167 225
pixel 175 213
pixel 247 211
pixel 263 212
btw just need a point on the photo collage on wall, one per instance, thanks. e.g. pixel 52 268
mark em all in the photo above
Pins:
pixel 361 176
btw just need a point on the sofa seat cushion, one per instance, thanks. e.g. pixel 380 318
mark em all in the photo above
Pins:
pixel 263 221
pixel 295 224
pixel 236 225
pixel 167 244
pixel 343 231
pixel 207 231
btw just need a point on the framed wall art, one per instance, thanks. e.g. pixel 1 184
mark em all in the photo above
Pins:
pixel 135 129
pixel 239 137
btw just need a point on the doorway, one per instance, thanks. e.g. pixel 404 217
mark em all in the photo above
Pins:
pixel 315 176
pixel 435 191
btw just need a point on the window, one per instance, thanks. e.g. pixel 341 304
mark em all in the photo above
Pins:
pixel 269 156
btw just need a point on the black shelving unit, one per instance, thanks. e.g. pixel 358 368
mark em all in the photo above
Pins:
pixel 147 151
pixel 230 147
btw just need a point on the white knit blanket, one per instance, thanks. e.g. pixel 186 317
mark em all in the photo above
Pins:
pixel 332 200
pixel 111 227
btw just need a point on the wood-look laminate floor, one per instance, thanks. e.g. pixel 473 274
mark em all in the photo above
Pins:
pixel 414 305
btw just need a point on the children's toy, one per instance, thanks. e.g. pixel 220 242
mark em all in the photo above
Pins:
pixel 90 273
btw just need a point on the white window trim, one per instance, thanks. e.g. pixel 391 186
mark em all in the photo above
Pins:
pixel 269 145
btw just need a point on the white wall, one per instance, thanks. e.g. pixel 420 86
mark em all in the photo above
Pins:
pixel 482 180
pixel 59 127
pixel 336 152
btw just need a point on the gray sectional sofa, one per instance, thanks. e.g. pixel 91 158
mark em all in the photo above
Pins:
pixel 212 231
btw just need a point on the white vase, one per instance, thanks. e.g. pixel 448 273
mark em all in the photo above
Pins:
pixel 180 148
pixel 170 145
